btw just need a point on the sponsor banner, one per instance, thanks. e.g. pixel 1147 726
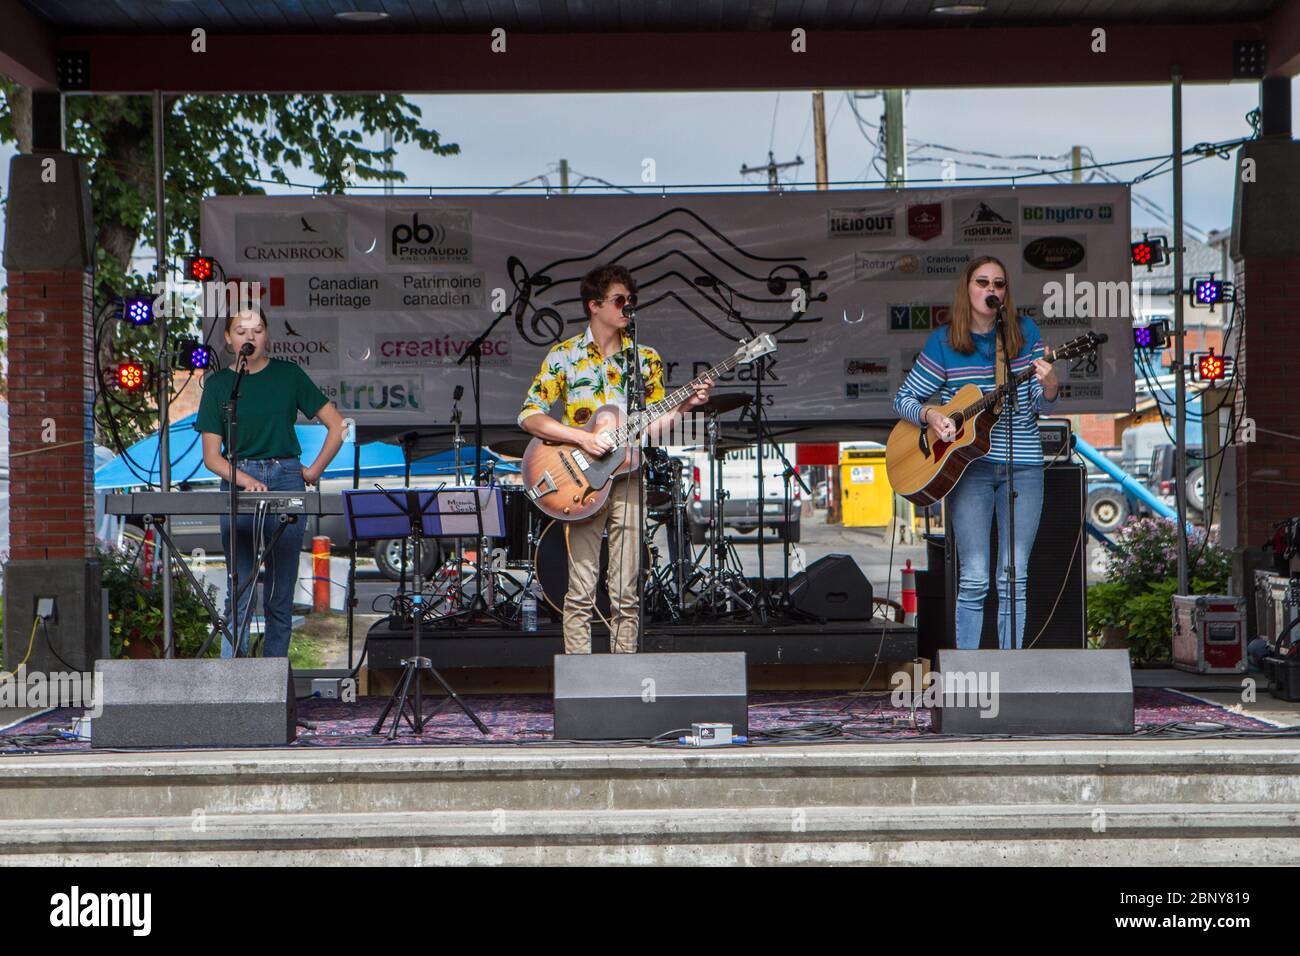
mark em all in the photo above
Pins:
pixel 925 221
pixel 904 264
pixel 1047 321
pixel 857 367
pixel 860 222
pixel 400 350
pixel 343 292
pixel 985 220
pixel 1055 254
pixel 428 236
pixel 377 297
pixel 378 394
pixel 311 343
pixel 1096 214
pixel 1081 391
pixel 917 318
pixel 291 237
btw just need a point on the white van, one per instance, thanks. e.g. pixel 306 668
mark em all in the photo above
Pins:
pixel 740 492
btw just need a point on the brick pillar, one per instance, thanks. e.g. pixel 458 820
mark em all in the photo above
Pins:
pixel 51 394
pixel 51 438
pixel 1268 469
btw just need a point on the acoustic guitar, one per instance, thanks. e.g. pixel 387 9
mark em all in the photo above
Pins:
pixel 923 468
pixel 567 483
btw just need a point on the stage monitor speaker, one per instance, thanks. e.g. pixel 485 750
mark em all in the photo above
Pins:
pixel 833 588
pixel 239 702
pixel 1034 692
pixel 1056 602
pixel 640 696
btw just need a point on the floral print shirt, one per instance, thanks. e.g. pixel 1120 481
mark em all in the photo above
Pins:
pixel 574 372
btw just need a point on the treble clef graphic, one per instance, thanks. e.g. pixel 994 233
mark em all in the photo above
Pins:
pixel 545 326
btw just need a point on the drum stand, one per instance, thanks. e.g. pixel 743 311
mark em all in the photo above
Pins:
pixel 724 585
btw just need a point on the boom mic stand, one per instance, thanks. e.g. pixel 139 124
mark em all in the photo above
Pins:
pixel 635 395
pixel 232 446
pixel 1013 405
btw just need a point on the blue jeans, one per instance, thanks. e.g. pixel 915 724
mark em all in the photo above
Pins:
pixel 281 563
pixel 970 507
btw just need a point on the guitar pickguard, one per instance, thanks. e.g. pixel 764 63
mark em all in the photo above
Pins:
pixel 940 447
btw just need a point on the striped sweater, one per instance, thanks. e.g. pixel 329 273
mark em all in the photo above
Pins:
pixel 941 369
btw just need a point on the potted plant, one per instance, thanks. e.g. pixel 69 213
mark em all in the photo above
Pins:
pixel 135 611
pixel 1133 607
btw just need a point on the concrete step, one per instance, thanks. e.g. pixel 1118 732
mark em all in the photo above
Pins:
pixel 1153 833
pixel 1065 773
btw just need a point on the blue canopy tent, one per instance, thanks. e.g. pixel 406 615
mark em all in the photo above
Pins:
pixel 140 466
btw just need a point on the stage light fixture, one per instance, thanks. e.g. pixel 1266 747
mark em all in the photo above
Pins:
pixel 1208 367
pixel 1153 336
pixel 1207 291
pixel 200 268
pixel 194 355
pixel 1149 252
pixel 137 309
pixel 131 376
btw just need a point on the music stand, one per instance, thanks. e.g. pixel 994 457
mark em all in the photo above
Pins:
pixel 408 512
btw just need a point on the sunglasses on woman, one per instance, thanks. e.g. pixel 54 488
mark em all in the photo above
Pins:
pixel 621 300
pixel 983 283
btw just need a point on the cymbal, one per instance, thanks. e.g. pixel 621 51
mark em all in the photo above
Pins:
pixel 721 404
pixel 511 447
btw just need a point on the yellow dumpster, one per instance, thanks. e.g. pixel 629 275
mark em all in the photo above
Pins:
pixel 868 499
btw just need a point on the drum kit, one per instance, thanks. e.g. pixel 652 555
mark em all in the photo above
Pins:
pixel 679 582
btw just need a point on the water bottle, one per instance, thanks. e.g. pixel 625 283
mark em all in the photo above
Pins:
pixel 529 605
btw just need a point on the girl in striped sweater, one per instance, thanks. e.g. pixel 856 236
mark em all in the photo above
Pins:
pixel 962 352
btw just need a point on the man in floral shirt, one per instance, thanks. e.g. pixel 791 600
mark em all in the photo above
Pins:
pixel 583 373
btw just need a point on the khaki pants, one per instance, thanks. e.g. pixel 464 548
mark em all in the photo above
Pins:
pixel 621 515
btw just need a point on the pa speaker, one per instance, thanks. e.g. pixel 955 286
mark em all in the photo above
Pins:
pixel 238 702
pixel 1056 602
pixel 833 589
pixel 49 221
pixel 1033 692
pixel 640 696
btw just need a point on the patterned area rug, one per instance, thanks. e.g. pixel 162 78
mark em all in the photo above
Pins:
pixel 527 718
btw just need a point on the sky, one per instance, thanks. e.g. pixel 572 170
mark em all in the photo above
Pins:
pixel 697 138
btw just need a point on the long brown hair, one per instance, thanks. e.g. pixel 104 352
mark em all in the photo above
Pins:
pixel 959 329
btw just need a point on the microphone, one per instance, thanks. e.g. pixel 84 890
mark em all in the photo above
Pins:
pixel 456 395
pixel 246 349
pixel 993 302
pixel 629 311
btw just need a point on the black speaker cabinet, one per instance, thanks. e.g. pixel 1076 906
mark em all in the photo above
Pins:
pixel 1056 602
pixel 640 696
pixel 240 702
pixel 49 217
pixel 1033 692
pixel 833 589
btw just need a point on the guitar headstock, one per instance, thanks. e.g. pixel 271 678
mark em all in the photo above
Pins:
pixel 1085 344
pixel 755 348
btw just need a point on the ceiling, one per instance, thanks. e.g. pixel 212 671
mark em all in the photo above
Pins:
pixel 445 46
pixel 603 16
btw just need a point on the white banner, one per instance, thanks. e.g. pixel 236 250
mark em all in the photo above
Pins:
pixel 377 298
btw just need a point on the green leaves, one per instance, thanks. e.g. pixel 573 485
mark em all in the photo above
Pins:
pixel 214 146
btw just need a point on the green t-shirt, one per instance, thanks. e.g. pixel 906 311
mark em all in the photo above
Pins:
pixel 269 403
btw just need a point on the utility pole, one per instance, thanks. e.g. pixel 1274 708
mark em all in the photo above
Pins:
pixel 895 140
pixel 819 137
pixel 1076 163
pixel 772 168
pixel 388 162
pixel 1180 383
pixel 564 175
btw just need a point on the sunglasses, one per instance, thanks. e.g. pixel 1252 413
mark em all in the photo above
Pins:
pixel 621 300
pixel 983 283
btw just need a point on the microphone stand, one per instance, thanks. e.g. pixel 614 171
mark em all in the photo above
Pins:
pixel 1013 406
pixel 232 446
pixel 635 394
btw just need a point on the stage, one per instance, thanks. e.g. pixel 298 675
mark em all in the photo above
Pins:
pixel 831 777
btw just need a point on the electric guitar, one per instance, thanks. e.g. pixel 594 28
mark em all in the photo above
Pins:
pixel 923 468
pixel 567 483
